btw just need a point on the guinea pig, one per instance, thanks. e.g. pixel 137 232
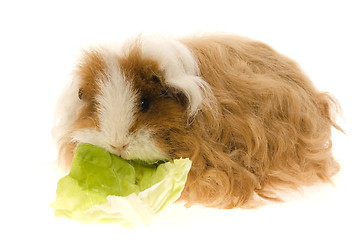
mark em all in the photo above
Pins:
pixel 250 120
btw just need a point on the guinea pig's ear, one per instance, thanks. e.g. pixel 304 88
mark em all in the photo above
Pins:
pixel 176 95
pixel 191 91
pixel 169 91
pixel 181 72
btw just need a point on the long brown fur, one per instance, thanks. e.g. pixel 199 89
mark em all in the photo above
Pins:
pixel 268 128
pixel 273 130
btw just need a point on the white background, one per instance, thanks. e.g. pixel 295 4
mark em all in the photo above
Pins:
pixel 39 45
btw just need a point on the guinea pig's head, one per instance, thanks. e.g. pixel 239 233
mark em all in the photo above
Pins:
pixel 136 102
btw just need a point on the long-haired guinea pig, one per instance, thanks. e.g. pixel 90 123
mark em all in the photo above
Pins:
pixel 249 119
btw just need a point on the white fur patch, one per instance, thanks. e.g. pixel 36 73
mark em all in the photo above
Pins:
pixel 140 147
pixel 117 103
pixel 180 68
pixel 66 110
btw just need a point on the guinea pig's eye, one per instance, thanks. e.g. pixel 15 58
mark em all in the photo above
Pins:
pixel 155 79
pixel 80 93
pixel 164 93
pixel 144 105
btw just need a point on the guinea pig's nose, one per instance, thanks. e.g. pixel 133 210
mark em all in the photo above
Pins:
pixel 124 147
pixel 119 150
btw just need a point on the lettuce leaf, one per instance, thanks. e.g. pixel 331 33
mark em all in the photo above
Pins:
pixel 102 187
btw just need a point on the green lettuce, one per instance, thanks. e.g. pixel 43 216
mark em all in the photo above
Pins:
pixel 102 187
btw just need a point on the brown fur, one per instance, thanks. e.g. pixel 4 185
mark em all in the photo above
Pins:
pixel 274 129
pixel 269 128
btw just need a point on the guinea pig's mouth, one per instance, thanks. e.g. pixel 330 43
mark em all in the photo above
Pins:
pixel 138 147
pixel 145 154
pixel 147 161
pixel 119 150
